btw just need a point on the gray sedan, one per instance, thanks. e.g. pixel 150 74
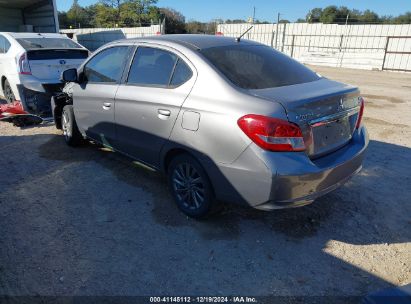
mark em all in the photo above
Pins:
pixel 227 120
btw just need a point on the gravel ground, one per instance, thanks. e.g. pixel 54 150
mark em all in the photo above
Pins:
pixel 88 222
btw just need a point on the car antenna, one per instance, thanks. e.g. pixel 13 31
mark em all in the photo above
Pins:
pixel 239 38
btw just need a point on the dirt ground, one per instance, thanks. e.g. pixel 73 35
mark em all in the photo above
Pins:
pixel 88 222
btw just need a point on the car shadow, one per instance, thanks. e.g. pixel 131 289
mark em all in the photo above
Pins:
pixel 102 230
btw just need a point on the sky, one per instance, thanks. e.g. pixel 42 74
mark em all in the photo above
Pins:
pixel 266 10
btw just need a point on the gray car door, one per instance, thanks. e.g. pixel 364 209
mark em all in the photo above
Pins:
pixel 148 103
pixel 93 98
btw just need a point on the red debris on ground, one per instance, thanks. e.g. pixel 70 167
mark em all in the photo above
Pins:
pixel 10 109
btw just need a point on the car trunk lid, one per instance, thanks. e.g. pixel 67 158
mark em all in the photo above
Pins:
pixel 325 110
pixel 48 64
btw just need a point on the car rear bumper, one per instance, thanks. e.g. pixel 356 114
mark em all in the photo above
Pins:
pixel 36 99
pixel 269 180
pixel 300 201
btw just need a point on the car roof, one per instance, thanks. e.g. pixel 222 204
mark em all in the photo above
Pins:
pixel 35 35
pixel 193 41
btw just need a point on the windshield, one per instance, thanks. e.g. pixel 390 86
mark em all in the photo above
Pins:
pixel 258 66
pixel 47 43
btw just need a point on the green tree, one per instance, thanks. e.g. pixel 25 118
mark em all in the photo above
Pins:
pixel 153 14
pixel 355 16
pixel 175 21
pixel 257 21
pixel 314 15
pixel 128 12
pixel 196 27
pixel 77 16
pixel 369 17
pixel 91 12
pixel 334 14
pixel 403 19
pixel 386 19
pixel 63 20
pixel 342 13
pixel 113 9
pixel 139 12
pixel 329 14
pixel 234 21
pixel 105 16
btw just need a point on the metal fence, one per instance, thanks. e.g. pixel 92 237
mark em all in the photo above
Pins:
pixel 398 59
pixel 376 46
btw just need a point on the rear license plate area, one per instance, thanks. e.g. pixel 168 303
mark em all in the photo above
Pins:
pixel 331 134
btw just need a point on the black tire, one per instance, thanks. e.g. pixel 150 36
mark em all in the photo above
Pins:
pixel 57 111
pixel 8 92
pixel 71 133
pixel 190 187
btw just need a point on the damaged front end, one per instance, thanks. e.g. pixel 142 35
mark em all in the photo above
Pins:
pixel 59 100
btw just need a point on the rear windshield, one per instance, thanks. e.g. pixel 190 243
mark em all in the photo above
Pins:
pixel 258 66
pixel 47 43
pixel 56 54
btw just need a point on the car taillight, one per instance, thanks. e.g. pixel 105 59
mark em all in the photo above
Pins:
pixel 271 133
pixel 361 112
pixel 24 65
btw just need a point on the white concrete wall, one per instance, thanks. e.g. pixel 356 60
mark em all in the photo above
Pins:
pixel 93 38
pixel 362 46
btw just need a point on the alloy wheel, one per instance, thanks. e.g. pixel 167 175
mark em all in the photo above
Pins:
pixel 8 94
pixel 66 125
pixel 188 186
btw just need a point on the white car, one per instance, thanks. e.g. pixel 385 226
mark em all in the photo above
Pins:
pixel 31 65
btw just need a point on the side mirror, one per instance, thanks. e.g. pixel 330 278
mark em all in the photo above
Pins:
pixel 69 75
pixel 81 76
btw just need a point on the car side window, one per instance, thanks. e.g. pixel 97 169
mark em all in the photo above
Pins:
pixel 107 66
pixel 7 45
pixel 152 67
pixel 3 41
pixel 182 73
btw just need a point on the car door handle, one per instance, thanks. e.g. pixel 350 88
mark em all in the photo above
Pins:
pixel 164 112
pixel 106 105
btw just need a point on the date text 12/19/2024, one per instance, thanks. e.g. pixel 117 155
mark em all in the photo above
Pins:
pixel 235 299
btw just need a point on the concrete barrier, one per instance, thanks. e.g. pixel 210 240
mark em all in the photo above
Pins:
pixel 93 38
